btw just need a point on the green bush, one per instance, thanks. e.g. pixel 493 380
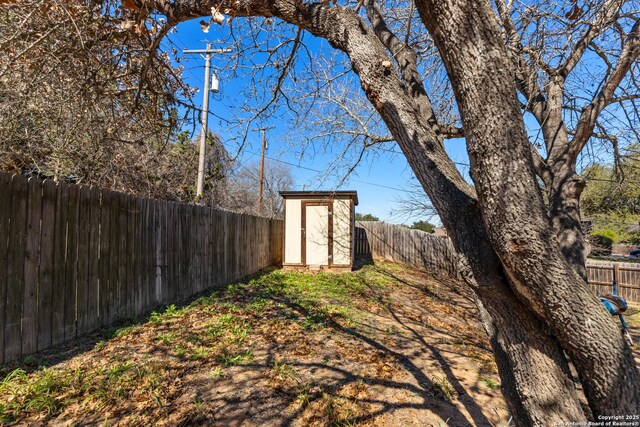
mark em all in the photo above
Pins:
pixel 424 226
pixel 366 217
pixel 633 238
pixel 607 233
pixel 601 240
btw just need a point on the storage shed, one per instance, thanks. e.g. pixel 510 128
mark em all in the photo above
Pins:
pixel 319 229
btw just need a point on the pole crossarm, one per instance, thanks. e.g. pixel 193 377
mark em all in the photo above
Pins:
pixel 224 50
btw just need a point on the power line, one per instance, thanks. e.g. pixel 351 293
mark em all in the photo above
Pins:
pixel 588 179
pixel 319 171
pixel 184 46
pixel 400 189
pixel 400 152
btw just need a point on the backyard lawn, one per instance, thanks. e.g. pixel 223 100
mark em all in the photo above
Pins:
pixel 383 346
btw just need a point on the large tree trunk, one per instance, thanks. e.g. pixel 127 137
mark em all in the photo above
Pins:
pixel 532 365
pixel 564 210
pixel 515 217
pixel 523 349
pixel 521 345
pixel 564 186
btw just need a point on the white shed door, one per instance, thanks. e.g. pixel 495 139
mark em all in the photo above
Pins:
pixel 317 235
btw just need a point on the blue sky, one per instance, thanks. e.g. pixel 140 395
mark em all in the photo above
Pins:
pixel 381 180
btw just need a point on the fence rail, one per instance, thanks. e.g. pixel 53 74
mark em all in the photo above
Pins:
pixel 75 258
pixel 601 275
pixel 400 244
pixel 415 247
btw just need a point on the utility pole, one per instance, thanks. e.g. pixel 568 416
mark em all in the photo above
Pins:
pixel 264 147
pixel 205 112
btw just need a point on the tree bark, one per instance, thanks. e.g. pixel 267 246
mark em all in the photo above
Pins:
pixel 564 186
pixel 564 211
pixel 514 214
pixel 522 347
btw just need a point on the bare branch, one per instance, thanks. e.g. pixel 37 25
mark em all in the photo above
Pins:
pixel 607 13
pixel 451 132
pixel 525 76
pixel 587 121
pixel 404 56
pixel 406 59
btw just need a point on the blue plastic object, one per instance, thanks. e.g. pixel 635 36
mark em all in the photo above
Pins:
pixel 616 305
pixel 611 307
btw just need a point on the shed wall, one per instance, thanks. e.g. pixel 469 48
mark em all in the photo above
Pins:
pixel 340 227
pixel 342 232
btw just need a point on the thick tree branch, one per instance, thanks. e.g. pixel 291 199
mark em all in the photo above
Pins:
pixel 540 166
pixel 525 77
pixel 587 121
pixel 451 131
pixel 607 13
pixel 526 83
pixel 407 61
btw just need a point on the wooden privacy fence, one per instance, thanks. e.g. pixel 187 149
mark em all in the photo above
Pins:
pixel 401 244
pixel 601 274
pixel 75 258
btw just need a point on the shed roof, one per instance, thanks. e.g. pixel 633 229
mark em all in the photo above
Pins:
pixel 326 194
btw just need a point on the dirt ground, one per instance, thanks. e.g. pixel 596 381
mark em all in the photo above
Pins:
pixel 384 346
pixel 632 317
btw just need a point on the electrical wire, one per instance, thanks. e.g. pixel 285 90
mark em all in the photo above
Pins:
pixel 184 46
pixel 388 150
pixel 319 171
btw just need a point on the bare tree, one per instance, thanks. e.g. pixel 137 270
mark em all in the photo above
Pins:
pixel 520 252
pixel 244 185
pixel 87 95
pixel 181 168
pixel 414 203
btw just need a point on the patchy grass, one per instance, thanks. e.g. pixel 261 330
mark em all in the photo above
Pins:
pixel 633 314
pixel 489 382
pixel 312 348
pixel 37 393
pixel 444 387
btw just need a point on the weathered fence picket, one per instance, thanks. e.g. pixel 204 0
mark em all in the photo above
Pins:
pixel 400 244
pixel 15 268
pixel 114 258
pixel 31 257
pixel 601 274
pixel 71 264
pixel 75 258
pixel 84 238
pixel 104 287
pixel 92 292
pixel 5 209
pixel 45 267
pixel 396 243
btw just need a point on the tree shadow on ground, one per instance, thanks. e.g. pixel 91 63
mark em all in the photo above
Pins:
pixel 82 344
pixel 425 388
pixel 362 260
pixel 340 368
